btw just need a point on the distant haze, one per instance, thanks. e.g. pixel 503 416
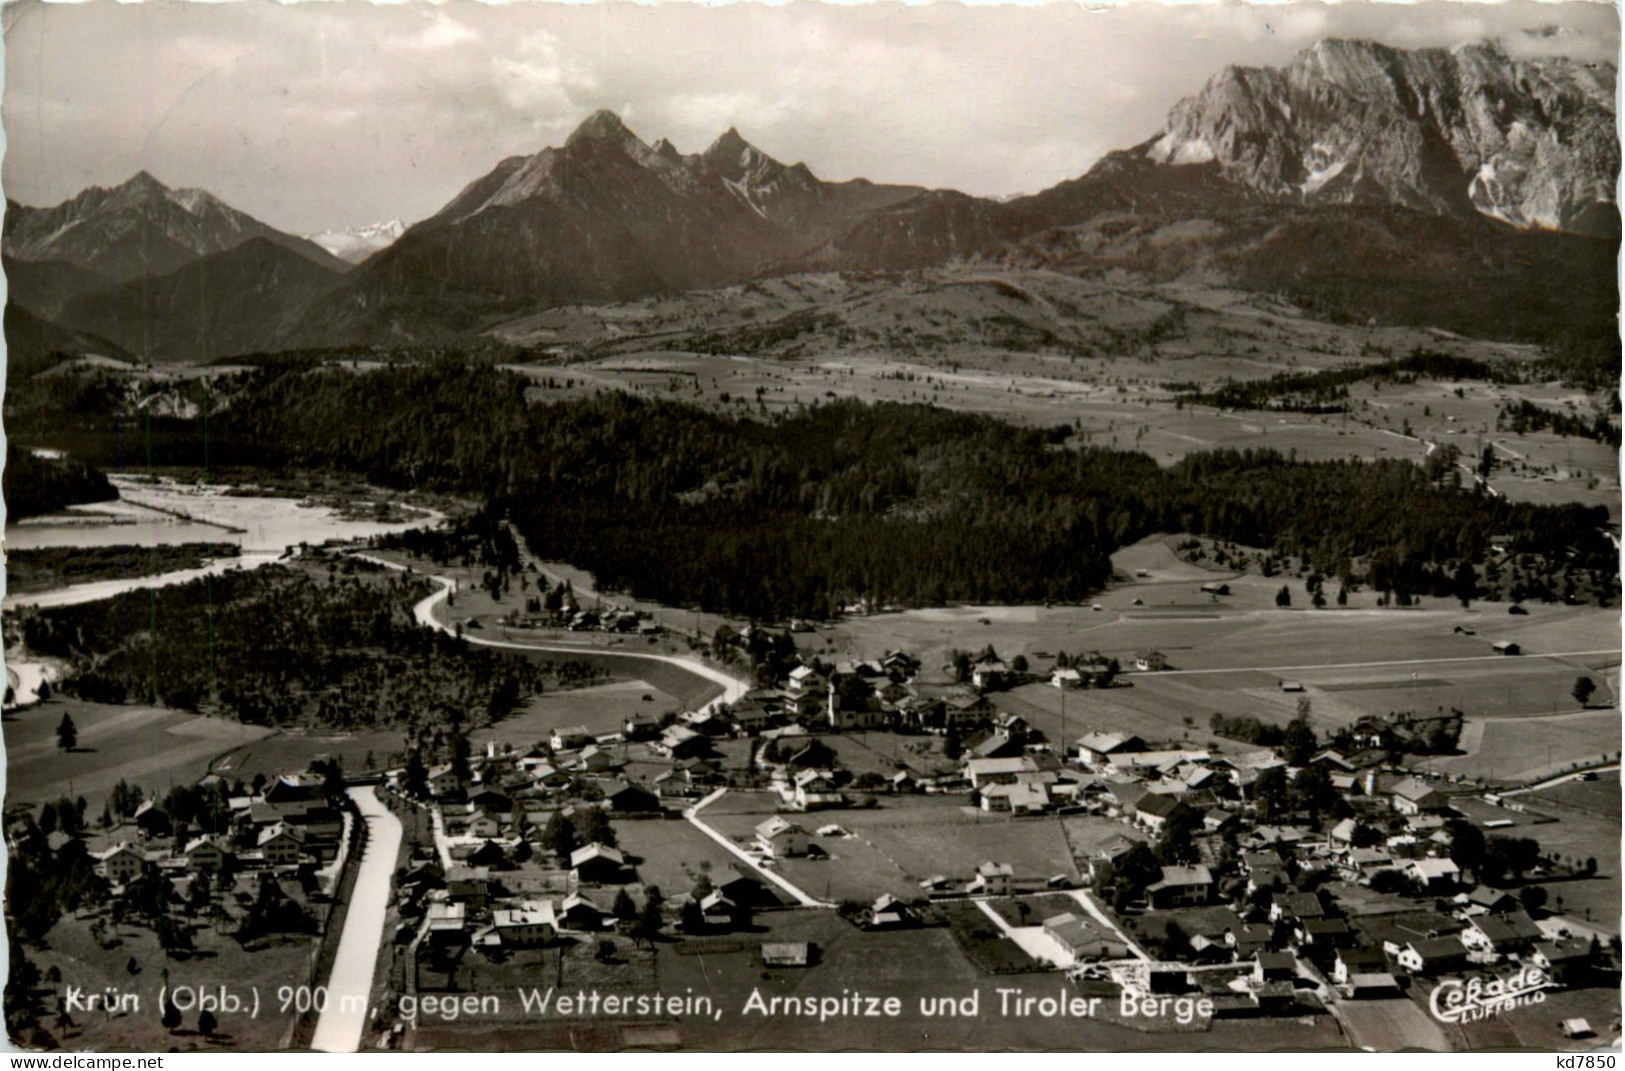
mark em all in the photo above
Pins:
pixel 312 117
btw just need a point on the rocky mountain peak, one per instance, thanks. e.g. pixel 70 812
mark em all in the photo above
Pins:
pixel 1469 129
pixel 728 147
pixel 602 125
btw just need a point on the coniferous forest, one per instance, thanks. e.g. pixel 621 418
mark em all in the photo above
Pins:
pixel 805 512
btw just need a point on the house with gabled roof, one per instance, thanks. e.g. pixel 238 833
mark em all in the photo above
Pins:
pixel 597 863
pixel 1486 899
pixel 570 738
pixel 1513 933
pixel 1564 961
pixel 281 844
pixel 717 911
pixel 527 924
pixel 681 742
pixel 1348 962
pixel 579 913
pixel 1096 749
pixel 1415 796
pixel 995 743
pixel 1324 933
pixel 1434 874
pixel 207 852
pixel 628 798
pixel 1181 886
pixel 780 838
pixel 1020 797
pixel 1154 810
pixel 1085 939
pixel 998 771
pixel 888 912
pixel 1433 955
pixel 121 863
pixel 993 879
pixel 1290 905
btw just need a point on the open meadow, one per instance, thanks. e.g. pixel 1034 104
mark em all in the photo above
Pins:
pixel 148 746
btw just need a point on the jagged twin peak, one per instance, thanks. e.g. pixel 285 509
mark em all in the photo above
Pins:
pixel 1530 142
pixel 744 170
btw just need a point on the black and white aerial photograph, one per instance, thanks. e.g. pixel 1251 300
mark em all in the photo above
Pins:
pixel 814 527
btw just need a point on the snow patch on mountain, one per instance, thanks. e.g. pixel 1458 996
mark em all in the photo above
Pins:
pixel 355 244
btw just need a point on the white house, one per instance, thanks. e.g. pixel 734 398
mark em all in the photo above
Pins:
pixel 781 838
pixel 993 879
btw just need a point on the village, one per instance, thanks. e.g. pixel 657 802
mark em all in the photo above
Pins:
pixel 1289 882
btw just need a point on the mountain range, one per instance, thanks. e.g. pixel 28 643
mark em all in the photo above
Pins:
pixel 355 244
pixel 1355 148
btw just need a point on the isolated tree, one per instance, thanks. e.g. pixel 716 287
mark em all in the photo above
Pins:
pixel 67 734
pixel 1272 793
pixel 207 1024
pixel 693 918
pixel 1584 689
pixel 624 908
pixel 1533 898
pixel 650 920
pixel 1283 597
pixel 560 836
pixel 1299 744
pixel 415 778
pixel 172 1017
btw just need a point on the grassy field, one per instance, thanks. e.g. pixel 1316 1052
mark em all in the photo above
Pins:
pixel 906 839
pixel 1600 797
pixel 149 746
pixel 926 338
pixel 674 855
pixel 1522 749
pixel 602 708
pixel 943 837
pixel 217 961
pixel 1242 630
pixel 290 752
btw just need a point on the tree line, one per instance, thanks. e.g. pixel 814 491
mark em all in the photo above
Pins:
pixel 36 485
pixel 280 646
pixel 1327 390
pixel 844 503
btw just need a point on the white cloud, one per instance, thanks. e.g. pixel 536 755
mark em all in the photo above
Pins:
pixel 441 33
pixel 537 78
pixel 423 100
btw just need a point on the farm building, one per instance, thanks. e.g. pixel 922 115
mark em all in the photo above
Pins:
pixel 787 953
pixel 597 863
pixel 1506 647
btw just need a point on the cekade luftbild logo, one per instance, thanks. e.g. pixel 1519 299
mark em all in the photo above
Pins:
pixel 1475 999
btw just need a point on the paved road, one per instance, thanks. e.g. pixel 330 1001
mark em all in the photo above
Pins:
pixel 1371 665
pixel 1390 1025
pixel 1552 782
pixel 349 987
pixel 693 816
pixel 733 689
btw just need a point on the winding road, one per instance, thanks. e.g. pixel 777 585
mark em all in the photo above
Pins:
pixel 733 689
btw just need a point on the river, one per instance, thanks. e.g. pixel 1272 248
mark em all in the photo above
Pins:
pixel 169 513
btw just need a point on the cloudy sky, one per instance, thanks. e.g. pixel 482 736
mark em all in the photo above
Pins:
pixel 312 116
